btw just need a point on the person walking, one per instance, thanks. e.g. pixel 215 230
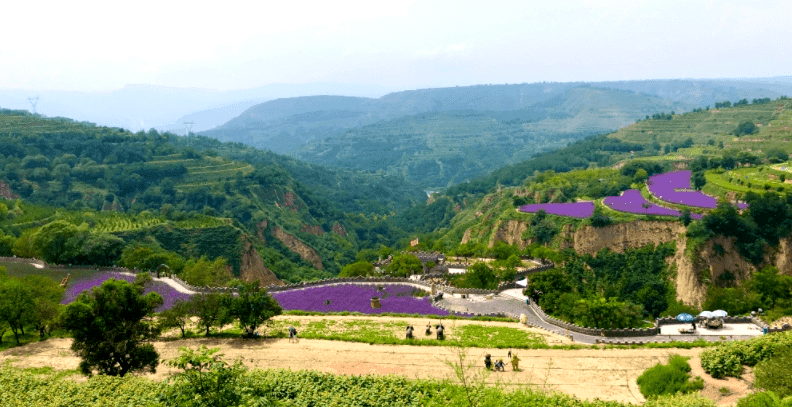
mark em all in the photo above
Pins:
pixel 487 362
pixel 515 362
pixel 510 355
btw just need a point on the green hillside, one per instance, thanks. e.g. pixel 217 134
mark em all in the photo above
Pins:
pixel 164 192
pixel 439 149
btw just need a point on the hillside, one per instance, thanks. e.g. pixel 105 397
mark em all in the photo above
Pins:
pixel 710 257
pixel 441 137
pixel 151 189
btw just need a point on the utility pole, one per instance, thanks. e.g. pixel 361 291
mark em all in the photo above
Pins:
pixel 33 102
pixel 188 125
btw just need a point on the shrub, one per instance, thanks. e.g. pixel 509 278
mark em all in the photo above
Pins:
pixel 774 374
pixel 669 379
pixel 727 359
pixel 763 399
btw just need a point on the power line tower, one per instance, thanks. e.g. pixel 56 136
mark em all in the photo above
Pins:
pixel 188 125
pixel 33 102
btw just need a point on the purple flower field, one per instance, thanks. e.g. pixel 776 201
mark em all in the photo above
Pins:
pixel 631 201
pixel 357 298
pixel 573 209
pixel 664 187
pixel 168 293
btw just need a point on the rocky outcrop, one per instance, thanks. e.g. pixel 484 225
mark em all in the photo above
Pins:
pixel 623 236
pixel 510 232
pixel 294 244
pixel 781 257
pixel 260 228
pixel 314 230
pixel 340 231
pixel 252 268
pixel 466 236
pixel 5 191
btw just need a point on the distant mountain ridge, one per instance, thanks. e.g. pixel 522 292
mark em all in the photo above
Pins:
pixel 431 136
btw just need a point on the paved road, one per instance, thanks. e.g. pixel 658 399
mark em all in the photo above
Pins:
pixel 512 303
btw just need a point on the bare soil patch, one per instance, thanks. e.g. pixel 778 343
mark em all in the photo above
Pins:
pixel 608 374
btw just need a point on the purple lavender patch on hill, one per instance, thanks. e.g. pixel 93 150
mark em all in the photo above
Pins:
pixel 356 298
pixel 168 293
pixel 631 201
pixel 573 209
pixel 664 187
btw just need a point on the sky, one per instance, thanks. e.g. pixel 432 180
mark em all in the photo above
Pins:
pixel 104 45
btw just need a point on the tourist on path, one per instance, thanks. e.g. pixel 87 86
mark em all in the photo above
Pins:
pixel 515 363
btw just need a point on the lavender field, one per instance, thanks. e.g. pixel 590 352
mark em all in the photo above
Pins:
pixel 168 293
pixel 631 201
pixel 357 298
pixel 572 209
pixel 664 187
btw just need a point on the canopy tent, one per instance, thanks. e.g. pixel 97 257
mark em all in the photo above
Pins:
pixel 523 282
pixel 706 314
pixel 720 313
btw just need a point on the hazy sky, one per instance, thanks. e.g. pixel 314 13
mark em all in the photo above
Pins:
pixel 78 45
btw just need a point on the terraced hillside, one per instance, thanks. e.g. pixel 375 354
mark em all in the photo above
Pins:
pixel 107 181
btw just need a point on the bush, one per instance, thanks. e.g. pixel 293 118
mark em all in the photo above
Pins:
pixel 774 374
pixel 669 379
pixel 727 359
pixel 764 399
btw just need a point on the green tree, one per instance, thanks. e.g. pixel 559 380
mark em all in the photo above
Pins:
pixel 252 306
pixel 698 180
pixel 111 326
pixel 211 310
pixel 479 275
pixel 598 312
pixel 359 268
pixel 206 273
pixel 747 127
pixel 178 316
pixel 640 176
pixel 771 286
pixel 54 241
pixel 46 312
pixel 16 304
pixel 403 265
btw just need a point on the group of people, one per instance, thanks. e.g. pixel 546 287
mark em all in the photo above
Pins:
pixel 499 365
pixel 439 328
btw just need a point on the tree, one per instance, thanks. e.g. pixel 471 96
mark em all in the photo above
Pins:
pixel 111 326
pixel 359 268
pixel 206 273
pixel 210 310
pixel 178 316
pixel 771 286
pixel 46 312
pixel 598 312
pixel 640 176
pixel 252 306
pixel 54 241
pixel 403 265
pixel 16 303
pixel 479 275
pixel 699 180
pixel 747 127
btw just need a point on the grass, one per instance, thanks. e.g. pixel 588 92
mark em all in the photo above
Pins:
pixel 392 333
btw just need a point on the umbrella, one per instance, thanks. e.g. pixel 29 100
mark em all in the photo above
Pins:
pixel 706 314
pixel 684 318
pixel 719 313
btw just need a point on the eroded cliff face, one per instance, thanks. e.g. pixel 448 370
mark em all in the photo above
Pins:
pixel 715 260
pixel 623 236
pixel 510 232
pixel 296 245
pixel 252 268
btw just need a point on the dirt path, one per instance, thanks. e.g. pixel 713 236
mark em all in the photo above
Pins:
pixel 591 373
